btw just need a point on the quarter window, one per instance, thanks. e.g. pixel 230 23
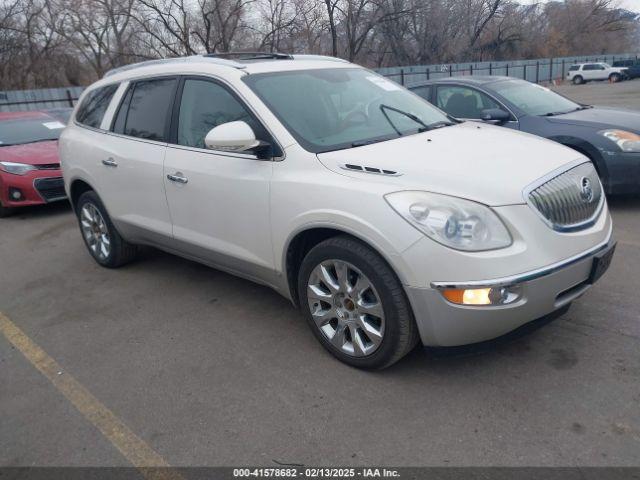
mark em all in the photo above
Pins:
pixel 144 112
pixel 94 106
pixel 463 102
pixel 205 105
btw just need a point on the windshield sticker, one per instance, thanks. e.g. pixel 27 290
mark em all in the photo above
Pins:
pixel 383 83
pixel 54 125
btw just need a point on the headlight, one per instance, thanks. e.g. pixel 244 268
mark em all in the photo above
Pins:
pixel 451 221
pixel 627 141
pixel 16 168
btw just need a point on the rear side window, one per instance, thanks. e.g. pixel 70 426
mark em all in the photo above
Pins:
pixel 574 68
pixel 145 110
pixel 94 106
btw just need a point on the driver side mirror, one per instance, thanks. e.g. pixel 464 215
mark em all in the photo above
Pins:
pixel 236 137
pixel 494 115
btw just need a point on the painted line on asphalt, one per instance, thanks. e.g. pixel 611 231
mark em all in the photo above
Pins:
pixel 150 464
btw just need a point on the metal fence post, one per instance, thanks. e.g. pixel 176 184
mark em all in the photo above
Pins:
pixel 507 69
pixel 69 98
pixel 551 70
pixel 427 73
pixel 537 71
pixel 524 71
pixel 402 76
pixel 563 69
pixel 450 70
pixel 490 69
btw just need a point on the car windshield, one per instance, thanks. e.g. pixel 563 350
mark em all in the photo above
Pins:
pixel 29 130
pixel 533 99
pixel 332 109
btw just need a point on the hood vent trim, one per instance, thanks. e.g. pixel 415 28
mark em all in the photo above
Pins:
pixel 363 169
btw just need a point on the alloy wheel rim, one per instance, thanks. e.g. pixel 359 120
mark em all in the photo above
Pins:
pixel 95 231
pixel 346 307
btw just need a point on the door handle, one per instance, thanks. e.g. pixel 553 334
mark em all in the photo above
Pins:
pixel 110 162
pixel 178 178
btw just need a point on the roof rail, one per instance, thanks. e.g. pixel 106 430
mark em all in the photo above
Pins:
pixel 251 55
pixel 160 61
pixel 319 57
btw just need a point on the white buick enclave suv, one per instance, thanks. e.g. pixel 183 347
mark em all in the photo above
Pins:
pixel 386 221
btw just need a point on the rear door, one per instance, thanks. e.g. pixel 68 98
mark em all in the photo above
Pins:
pixel 132 163
pixel 219 201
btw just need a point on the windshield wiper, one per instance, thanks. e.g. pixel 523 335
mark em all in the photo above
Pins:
pixel 581 107
pixel 411 116
pixel 440 124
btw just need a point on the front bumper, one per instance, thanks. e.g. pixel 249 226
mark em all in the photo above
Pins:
pixel 36 187
pixel 543 291
pixel 623 172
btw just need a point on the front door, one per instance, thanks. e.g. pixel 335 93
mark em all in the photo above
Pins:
pixel 219 201
pixel 466 103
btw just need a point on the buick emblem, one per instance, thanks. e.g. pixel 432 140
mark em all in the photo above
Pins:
pixel 586 190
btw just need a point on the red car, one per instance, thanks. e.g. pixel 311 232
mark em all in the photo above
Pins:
pixel 29 165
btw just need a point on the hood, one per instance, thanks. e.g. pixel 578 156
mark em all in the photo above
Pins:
pixel 601 118
pixel 488 164
pixel 39 153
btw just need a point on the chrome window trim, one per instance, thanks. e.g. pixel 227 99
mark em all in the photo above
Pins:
pixel 527 276
pixel 550 176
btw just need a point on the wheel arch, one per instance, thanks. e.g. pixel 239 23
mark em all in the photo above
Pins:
pixel 588 150
pixel 307 237
pixel 77 187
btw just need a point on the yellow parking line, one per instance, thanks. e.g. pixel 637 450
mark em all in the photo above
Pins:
pixel 151 465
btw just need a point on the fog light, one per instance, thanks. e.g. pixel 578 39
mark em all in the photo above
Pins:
pixel 15 194
pixel 482 296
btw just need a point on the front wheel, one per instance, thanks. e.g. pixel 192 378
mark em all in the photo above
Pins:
pixel 103 241
pixel 355 304
pixel 615 77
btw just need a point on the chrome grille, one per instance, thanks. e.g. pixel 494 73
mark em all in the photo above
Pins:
pixel 571 200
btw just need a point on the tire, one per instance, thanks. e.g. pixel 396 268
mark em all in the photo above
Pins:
pixel 95 224
pixel 391 320
pixel 615 77
pixel 6 211
pixel 578 80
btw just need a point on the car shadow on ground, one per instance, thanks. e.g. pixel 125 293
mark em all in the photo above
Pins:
pixel 40 211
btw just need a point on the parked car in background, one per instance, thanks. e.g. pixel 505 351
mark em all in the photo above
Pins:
pixel 610 137
pixel 632 66
pixel 586 72
pixel 384 219
pixel 29 166
pixel 63 113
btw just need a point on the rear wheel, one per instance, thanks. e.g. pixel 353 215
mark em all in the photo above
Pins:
pixel 5 211
pixel 103 241
pixel 355 304
pixel 578 80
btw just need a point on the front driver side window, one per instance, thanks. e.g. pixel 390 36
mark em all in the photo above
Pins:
pixel 463 102
pixel 205 105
